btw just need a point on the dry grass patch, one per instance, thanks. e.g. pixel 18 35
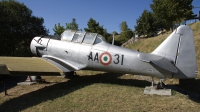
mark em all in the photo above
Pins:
pixel 100 92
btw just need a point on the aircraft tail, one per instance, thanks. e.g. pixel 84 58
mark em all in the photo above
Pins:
pixel 180 50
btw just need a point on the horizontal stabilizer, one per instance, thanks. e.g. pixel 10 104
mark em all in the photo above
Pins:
pixel 165 64
pixel 158 61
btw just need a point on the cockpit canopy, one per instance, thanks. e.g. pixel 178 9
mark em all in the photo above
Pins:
pixel 81 37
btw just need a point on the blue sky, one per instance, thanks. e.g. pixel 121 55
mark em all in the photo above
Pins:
pixel 109 13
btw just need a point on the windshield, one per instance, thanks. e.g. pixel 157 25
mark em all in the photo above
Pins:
pixel 78 36
pixel 67 35
pixel 98 39
pixel 82 37
pixel 89 38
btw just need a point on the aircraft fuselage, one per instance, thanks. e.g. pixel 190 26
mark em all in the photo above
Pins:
pixel 76 50
pixel 101 57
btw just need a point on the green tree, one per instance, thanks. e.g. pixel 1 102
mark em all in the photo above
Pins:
pixel 58 30
pixel 173 11
pixel 126 33
pixel 115 32
pixel 147 24
pixel 94 27
pixel 73 25
pixel 107 35
pixel 17 28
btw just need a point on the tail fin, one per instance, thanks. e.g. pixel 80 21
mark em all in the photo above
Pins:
pixel 179 48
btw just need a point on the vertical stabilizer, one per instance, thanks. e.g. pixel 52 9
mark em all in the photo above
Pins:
pixel 179 48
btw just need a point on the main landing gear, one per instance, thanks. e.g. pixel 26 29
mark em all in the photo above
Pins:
pixel 159 85
pixel 70 74
pixel 158 89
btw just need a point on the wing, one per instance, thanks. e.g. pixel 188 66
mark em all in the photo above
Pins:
pixel 32 66
pixel 4 69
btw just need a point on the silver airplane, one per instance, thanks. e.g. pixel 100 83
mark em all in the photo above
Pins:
pixel 76 50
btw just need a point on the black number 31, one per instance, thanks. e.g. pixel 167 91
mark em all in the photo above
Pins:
pixel 119 58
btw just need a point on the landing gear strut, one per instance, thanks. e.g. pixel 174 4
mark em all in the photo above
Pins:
pixel 159 85
pixel 70 74
pixel 158 89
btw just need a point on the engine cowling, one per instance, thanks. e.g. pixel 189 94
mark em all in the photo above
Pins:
pixel 38 46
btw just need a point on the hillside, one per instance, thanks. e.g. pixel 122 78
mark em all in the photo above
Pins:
pixel 149 44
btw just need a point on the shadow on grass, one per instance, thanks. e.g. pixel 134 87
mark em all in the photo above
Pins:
pixel 61 89
pixel 189 87
pixel 10 81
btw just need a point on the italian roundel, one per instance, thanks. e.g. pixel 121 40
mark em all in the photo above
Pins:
pixel 105 58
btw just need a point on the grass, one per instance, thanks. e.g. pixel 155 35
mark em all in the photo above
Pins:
pixel 98 91
pixel 149 44
pixel 196 30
